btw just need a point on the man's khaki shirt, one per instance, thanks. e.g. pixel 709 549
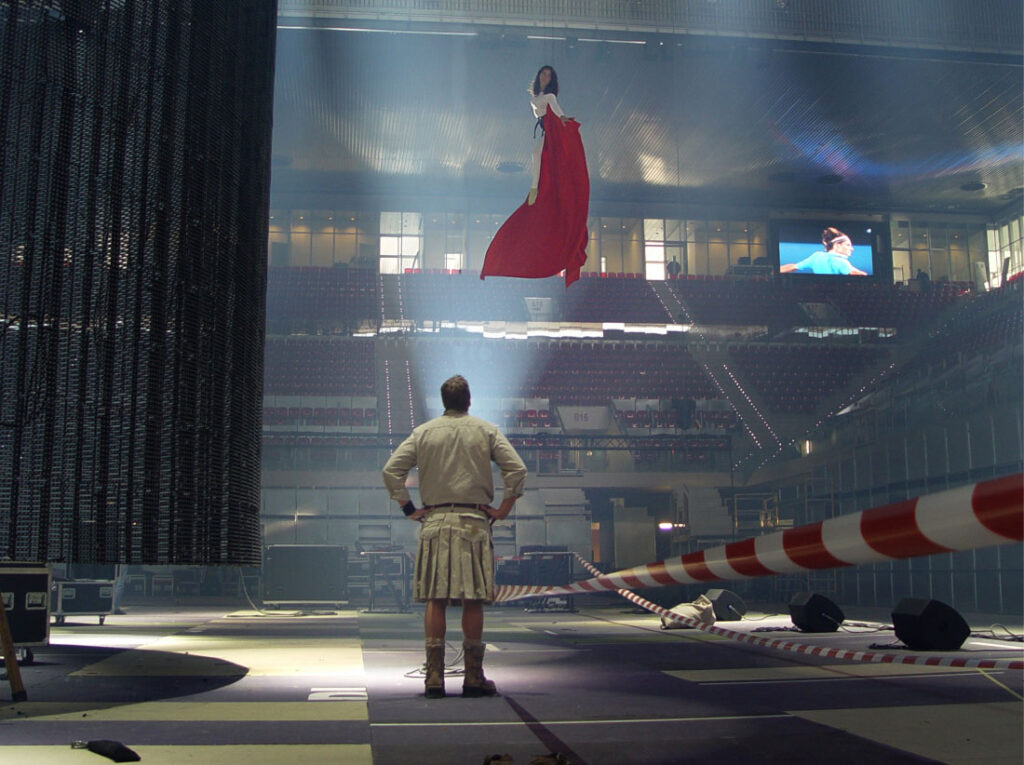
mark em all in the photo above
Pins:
pixel 454 453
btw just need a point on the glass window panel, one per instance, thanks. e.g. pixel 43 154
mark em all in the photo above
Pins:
pixel 654 252
pixel 939 264
pixel 323 249
pixel 674 231
pixel 301 245
pixel 344 247
pixel 901 266
pixel 389 246
pixel 960 265
pixel 632 228
pixel 717 230
pixel 697 257
pixel 977 244
pixel 654 261
pixel 937 237
pixel 737 251
pixel 718 258
pixel 739 233
pixel 919 262
pixel 758 251
pixel 389 266
pixel 391 223
pixel 412 223
pixel 453 261
pixel 410 246
pixel 654 229
pixel 900 236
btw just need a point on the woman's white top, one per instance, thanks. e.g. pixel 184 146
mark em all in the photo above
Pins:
pixel 540 105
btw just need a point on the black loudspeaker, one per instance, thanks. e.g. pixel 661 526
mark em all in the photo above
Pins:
pixel 929 625
pixel 537 568
pixel 729 607
pixel 305 574
pixel 812 612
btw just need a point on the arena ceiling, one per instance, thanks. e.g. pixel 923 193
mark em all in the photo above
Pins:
pixel 442 111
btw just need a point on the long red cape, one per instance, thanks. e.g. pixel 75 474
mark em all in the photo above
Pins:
pixel 541 239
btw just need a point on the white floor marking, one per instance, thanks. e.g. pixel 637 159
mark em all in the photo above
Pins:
pixel 841 677
pixel 338 694
pixel 719 718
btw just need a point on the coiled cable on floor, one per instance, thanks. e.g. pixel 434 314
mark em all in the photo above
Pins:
pixel 451 668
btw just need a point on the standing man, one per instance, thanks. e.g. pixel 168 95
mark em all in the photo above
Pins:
pixel 455 558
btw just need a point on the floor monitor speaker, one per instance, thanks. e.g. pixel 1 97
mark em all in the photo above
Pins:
pixel 929 625
pixel 305 574
pixel 812 612
pixel 729 607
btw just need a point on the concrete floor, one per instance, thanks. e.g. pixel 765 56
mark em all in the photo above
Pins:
pixel 604 685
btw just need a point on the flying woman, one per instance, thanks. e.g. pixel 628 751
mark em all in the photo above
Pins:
pixel 547 234
pixel 835 259
pixel 543 93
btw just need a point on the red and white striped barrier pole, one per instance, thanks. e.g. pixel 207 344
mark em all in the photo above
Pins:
pixel 796 646
pixel 980 515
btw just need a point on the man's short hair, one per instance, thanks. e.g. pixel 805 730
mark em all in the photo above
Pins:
pixel 455 393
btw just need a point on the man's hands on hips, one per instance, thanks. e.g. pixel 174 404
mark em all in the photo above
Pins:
pixel 411 512
pixel 501 512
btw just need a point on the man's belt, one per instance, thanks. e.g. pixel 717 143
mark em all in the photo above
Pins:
pixel 481 508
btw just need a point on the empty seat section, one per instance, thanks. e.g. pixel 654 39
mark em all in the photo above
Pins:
pixel 795 379
pixel 321 299
pixel 313 366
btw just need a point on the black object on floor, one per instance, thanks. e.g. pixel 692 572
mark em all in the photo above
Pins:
pixel 812 612
pixel 115 750
pixel 729 607
pixel 929 625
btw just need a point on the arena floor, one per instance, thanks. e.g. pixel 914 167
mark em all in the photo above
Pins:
pixel 603 685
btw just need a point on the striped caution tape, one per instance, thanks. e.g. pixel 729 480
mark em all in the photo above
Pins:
pixel 979 515
pixel 794 646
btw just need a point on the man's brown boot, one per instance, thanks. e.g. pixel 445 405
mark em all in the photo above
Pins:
pixel 434 682
pixel 474 684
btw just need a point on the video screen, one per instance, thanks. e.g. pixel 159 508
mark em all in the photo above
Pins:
pixel 827 248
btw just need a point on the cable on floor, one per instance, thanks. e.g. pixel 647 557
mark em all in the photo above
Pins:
pixel 451 668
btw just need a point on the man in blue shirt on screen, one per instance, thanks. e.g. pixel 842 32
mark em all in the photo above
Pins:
pixel 835 260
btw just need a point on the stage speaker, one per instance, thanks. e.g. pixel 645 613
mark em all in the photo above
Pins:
pixel 929 625
pixel 537 568
pixel 508 572
pixel 729 607
pixel 305 574
pixel 812 612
